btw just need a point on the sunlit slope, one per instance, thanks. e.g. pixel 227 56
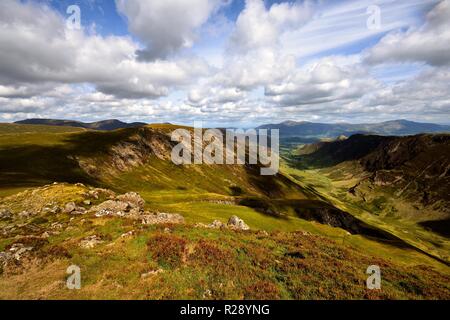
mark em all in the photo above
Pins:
pixel 293 260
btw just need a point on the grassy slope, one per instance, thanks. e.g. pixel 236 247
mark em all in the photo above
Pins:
pixel 164 189
pixel 198 263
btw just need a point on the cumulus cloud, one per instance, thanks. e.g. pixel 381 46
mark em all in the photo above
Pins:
pixel 258 26
pixel 429 44
pixel 36 48
pixel 165 26
pixel 329 79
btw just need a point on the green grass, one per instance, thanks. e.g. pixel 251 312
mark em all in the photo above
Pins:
pixel 211 264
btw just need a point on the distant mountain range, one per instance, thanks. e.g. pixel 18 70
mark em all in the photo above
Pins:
pixel 106 125
pixel 306 129
pixel 288 129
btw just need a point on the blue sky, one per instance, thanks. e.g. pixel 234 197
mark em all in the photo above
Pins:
pixel 226 62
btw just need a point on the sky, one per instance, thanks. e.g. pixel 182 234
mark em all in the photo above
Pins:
pixel 235 63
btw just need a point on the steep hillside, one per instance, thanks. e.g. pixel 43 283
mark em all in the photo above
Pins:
pixel 415 168
pixel 399 184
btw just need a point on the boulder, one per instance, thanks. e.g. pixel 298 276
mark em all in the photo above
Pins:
pixel 237 223
pixel 72 208
pixel 133 198
pixel 69 207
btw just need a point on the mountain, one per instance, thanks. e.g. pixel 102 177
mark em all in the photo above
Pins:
pixel 106 125
pixel 306 129
pixel 138 226
pixel 415 168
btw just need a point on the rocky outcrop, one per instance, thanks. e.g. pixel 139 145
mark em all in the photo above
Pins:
pixel 129 152
pixel 129 204
pixel 72 208
pixel 237 223
pixel 133 199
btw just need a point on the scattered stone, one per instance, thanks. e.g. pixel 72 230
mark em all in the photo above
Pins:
pixel 216 224
pixel 51 208
pixel 90 242
pixel 26 214
pixel 5 214
pixel 237 223
pixel 234 223
pixel 87 202
pixel 128 234
pixel 263 233
pixel 151 273
pixel 56 226
pixel 45 235
pixel 162 218
pixel 73 209
pixel 15 253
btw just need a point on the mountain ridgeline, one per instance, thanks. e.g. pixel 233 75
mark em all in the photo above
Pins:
pixel 304 129
pixel 106 125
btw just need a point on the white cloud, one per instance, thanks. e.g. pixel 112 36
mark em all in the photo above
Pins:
pixel 429 44
pixel 328 79
pixel 36 48
pixel 258 26
pixel 165 26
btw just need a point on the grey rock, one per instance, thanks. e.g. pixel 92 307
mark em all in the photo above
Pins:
pixel 237 223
